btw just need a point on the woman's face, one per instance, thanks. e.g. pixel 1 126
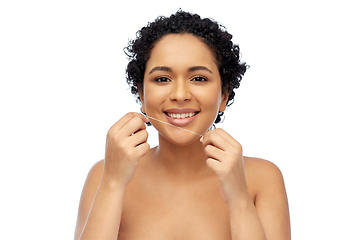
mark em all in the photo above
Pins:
pixel 182 86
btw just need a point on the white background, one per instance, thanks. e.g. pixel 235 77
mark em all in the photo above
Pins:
pixel 62 71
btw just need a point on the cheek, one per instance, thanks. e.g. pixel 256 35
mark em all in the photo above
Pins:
pixel 153 96
pixel 210 99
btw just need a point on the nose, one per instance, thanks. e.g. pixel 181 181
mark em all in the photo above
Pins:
pixel 180 91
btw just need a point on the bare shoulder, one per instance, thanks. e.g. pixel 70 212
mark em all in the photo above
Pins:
pixel 92 181
pixel 262 171
pixel 88 193
pixel 266 180
pixel 96 170
pixel 93 178
pixel 261 164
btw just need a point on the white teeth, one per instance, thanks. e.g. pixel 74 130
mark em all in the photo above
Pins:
pixel 180 116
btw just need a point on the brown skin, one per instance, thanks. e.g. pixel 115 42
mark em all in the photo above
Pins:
pixel 187 187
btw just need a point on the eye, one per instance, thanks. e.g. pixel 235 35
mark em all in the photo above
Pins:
pixel 162 79
pixel 199 79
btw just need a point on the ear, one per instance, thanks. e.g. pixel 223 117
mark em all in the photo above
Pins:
pixel 223 103
pixel 141 95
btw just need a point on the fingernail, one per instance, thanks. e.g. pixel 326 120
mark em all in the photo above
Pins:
pixel 201 139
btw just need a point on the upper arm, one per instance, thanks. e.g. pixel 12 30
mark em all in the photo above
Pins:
pixel 87 196
pixel 271 201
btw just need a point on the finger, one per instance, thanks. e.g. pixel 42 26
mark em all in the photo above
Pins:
pixel 138 138
pixel 228 137
pixel 134 125
pixel 125 119
pixel 215 139
pixel 142 149
pixel 214 152
pixel 213 164
pixel 145 119
pixel 220 139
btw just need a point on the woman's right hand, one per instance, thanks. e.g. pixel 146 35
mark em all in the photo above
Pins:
pixel 125 145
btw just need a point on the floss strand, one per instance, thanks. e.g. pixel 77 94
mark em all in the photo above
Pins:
pixel 174 126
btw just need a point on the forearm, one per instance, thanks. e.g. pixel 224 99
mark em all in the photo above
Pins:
pixel 105 214
pixel 244 222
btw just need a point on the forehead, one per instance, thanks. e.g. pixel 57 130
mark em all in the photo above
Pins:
pixel 181 49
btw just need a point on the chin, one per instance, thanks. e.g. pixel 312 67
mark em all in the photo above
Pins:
pixel 182 139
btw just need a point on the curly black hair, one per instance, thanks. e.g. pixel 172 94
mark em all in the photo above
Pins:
pixel 210 32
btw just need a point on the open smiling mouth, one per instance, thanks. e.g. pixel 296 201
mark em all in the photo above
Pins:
pixel 181 115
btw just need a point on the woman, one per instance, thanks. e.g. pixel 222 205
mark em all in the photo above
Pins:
pixel 195 184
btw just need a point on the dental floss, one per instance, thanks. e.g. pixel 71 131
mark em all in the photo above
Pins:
pixel 175 126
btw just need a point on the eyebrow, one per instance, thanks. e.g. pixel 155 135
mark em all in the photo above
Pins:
pixel 191 69
pixel 160 68
pixel 195 68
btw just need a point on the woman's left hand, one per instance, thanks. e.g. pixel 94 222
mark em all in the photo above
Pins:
pixel 225 157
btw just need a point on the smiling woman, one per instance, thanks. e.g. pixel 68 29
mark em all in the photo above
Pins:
pixel 196 184
pixel 187 60
pixel 225 54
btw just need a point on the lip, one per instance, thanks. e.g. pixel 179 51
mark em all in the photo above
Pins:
pixel 184 121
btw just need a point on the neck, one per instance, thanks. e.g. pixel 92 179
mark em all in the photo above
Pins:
pixel 181 160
